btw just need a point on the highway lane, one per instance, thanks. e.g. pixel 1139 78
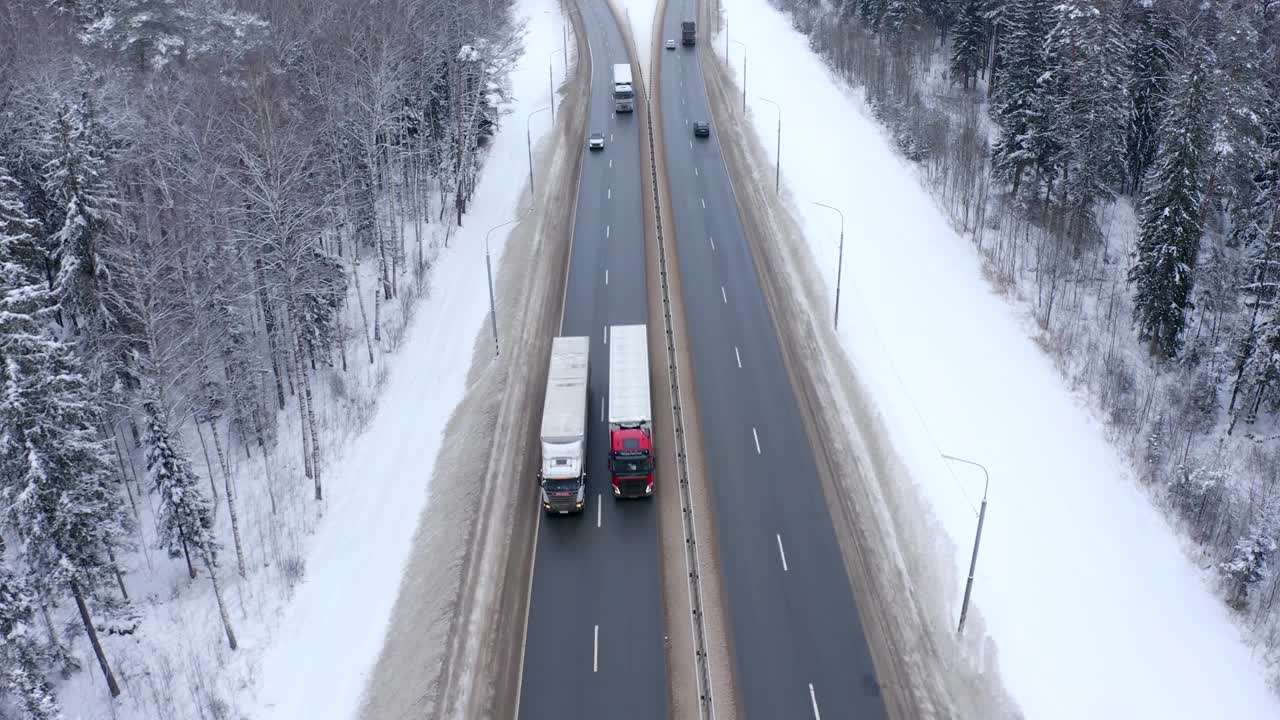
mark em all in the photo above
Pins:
pixel 594 636
pixel 798 642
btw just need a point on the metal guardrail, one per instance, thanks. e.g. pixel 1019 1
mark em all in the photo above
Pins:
pixel 706 698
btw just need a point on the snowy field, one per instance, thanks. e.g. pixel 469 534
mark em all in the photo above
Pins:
pixel 1082 589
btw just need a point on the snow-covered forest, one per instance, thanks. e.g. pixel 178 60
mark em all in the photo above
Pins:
pixel 1117 163
pixel 215 218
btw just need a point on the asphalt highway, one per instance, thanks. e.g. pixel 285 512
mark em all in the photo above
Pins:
pixel 799 648
pixel 594 643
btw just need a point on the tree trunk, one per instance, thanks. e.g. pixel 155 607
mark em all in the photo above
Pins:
pixel 311 421
pixel 231 499
pixel 186 553
pixel 211 566
pixel 93 639
pixel 115 568
pixel 307 469
pixel 364 317
pixel 208 464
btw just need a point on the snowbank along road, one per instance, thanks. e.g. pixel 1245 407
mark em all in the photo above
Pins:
pixel 594 637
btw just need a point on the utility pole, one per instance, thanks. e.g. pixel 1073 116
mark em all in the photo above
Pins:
pixel 528 141
pixel 488 265
pixel 840 262
pixel 977 540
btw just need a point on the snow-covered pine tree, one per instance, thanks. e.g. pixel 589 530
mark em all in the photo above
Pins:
pixel 185 520
pixel 1018 105
pixel 968 41
pixel 73 180
pixel 1257 353
pixel 1088 91
pixel 1155 39
pixel 152 33
pixel 1173 208
pixel 21 675
pixel 901 17
pixel 1240 92
pixel 56 482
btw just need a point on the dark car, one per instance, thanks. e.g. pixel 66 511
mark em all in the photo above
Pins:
pixel 702 128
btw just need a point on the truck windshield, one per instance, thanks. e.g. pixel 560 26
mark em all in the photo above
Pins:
pixel 632 465
pixel 623 93
pixel 565 485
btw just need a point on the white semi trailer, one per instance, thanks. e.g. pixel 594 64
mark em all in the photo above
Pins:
pixel 563 474
pixel 624 94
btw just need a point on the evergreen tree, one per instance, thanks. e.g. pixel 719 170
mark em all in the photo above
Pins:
pixel 1019 106
pixel 185 520
pixel 73 180
pixel 21 676
pixel 55 473
pixel 901 17
pixel 1257 360
pixel 1087 89
pixel 1155 39
pixel 1240 94
pixel 1172 212
pixel 968 41
pixel 152 33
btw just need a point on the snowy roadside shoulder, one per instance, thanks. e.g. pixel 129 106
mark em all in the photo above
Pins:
pixel 1080 583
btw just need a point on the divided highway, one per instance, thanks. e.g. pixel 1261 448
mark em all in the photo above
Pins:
pixel 798 643
pixel 594 636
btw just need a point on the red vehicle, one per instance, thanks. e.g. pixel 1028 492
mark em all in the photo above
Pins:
pixel 631 458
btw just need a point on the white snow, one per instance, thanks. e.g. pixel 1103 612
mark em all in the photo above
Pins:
pixel 1084 589
pixel 318 664
pixel 640 17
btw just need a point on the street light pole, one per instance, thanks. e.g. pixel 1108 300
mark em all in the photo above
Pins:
pixel 977 540
pixel 744 71
pixel 840 262
pixel 551 85
pixel 488 266
pixel 777 171
pixel 528 141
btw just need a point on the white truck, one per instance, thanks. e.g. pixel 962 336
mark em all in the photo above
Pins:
pixel 563 474
pixel 624 95
pixel 631 459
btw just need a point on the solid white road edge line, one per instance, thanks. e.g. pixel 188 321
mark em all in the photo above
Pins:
pixel 606 334
pixel 601 409
pixel 783 553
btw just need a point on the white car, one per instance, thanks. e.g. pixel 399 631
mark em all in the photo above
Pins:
pixel 671 44
pixel 596 141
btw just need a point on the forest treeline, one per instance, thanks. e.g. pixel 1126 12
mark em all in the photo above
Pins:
pixel 192 195
pixel 1117 162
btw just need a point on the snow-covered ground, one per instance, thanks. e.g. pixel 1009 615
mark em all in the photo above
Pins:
pixel 1085 592
pixel 640 18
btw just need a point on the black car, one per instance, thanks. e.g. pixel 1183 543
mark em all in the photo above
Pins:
pixel 702 128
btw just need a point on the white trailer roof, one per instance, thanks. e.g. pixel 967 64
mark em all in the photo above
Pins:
pixel 621 74
pixel 628 375
pixel 564 413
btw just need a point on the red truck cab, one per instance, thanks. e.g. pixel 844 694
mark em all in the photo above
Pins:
pixel 631 462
